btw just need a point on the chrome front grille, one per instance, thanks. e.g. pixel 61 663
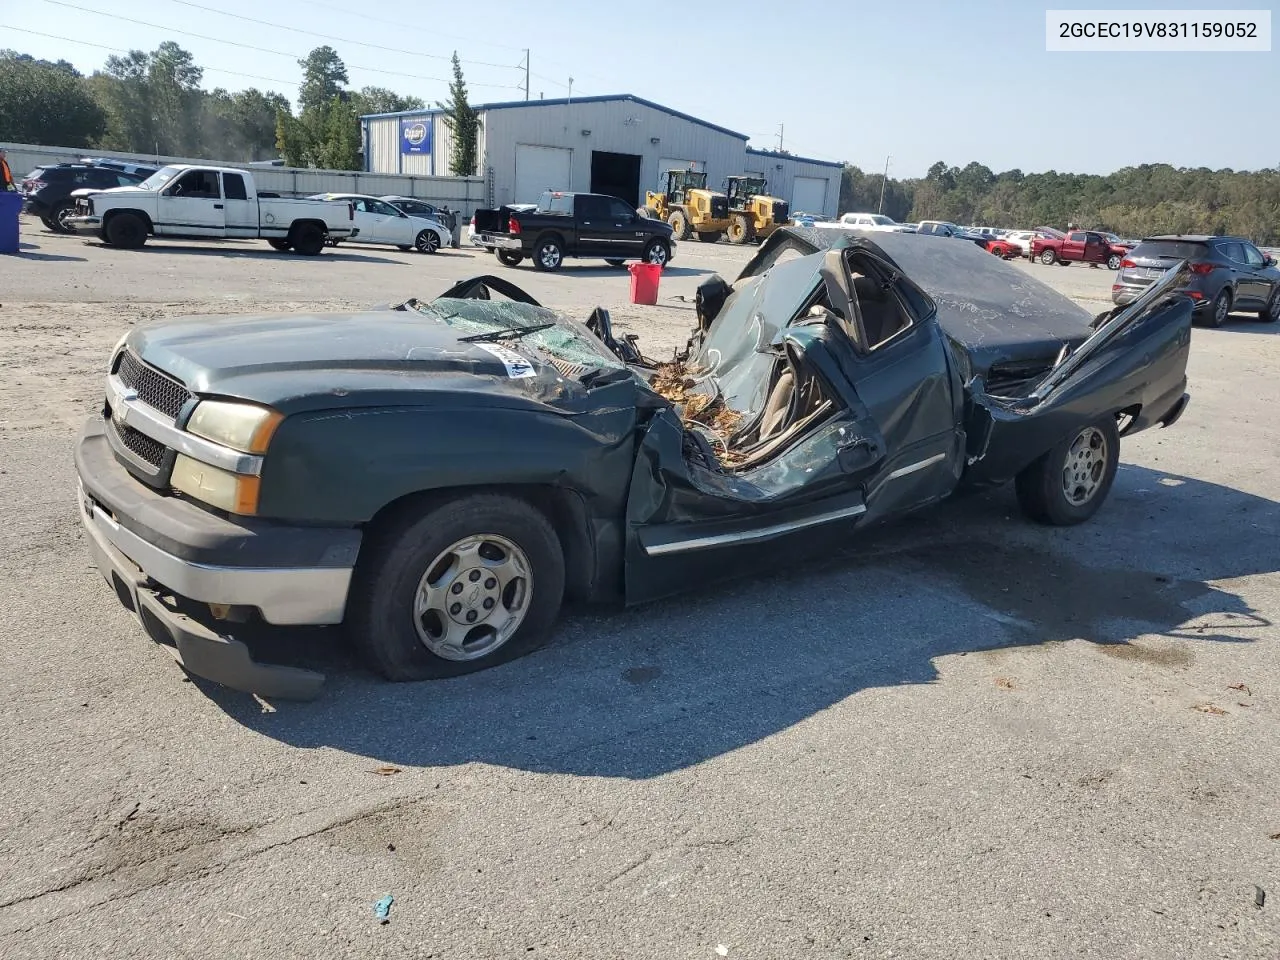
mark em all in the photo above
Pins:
pixel 155 389
pixel 142 446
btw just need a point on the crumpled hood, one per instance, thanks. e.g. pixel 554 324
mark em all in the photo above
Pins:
pixel 309 361
pixel 94 191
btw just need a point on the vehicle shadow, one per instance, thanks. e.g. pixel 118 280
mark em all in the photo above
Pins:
pixel 244 253
pixel 645 691
pixel 28 251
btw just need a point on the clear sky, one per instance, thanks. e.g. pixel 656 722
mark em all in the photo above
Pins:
pixel 923 80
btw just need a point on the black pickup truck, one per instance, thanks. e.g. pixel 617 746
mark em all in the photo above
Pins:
pixel 574 225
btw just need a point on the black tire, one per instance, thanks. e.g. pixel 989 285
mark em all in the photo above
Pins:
pixel 60 212
pixel 280 244
pixel 126 231
pixel 679 224
pixel 614 262
pixel 649 213
pixel 549 254
pixel 741 230
pixel 396 557
pixel 1113 261
pixel 307 238
pixel 427 241
pixel 510 258
pixel 1220 309
pixel 711 236
pixel 49 224
pixel 1043 486
pixel 1271 312
pixel 1047 257
pixel 657 251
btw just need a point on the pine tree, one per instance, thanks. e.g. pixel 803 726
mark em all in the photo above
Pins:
pixel 463 123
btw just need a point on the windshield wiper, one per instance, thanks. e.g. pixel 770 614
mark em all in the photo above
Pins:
pixel 510 333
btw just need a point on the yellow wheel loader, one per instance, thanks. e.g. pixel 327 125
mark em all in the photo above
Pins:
pixel 753 214
pixel 689 206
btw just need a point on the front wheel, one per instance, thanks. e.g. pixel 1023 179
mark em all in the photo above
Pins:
pixel 679 224
pixel 1271 312
pixel 657 252
pixel 127 231
pixel 1047 258
pixel 1113 261
pixel 462 585
pixel 510 258
pixel 549 255
pixel 428 241
pixel 1068 484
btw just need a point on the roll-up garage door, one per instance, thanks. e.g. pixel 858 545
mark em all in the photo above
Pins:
pixel 539 169
pixel 809 195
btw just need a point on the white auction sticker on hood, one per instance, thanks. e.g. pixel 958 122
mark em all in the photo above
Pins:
pixel 517 366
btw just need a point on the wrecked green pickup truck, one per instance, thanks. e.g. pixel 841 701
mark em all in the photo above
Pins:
pixel 440 475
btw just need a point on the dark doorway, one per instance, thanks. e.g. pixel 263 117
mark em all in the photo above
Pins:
pixel 616 175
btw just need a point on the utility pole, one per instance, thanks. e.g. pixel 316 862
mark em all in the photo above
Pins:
pixel 780 138
pixel 883 181
pixel 526 74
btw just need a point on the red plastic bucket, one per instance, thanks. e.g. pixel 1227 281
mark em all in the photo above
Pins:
pixel 644 282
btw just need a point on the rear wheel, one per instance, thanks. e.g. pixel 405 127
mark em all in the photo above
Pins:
pixel 281 244
pixel 464 584
pixel 1113 261
pixel 549 255
pixel 1048 257
pixel 614 262
pixel 510 258
pixel 58 216
pixel 428 241
pixel 1221 308
pixel 127 231
pixel 679 225
pixel 307 239
pixel 1068 484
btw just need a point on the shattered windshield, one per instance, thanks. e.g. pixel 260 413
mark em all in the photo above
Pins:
pixel 737 350
pixel 560 339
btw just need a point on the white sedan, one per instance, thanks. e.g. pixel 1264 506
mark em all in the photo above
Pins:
pixel 380 222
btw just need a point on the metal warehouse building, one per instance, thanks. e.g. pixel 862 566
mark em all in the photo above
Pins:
pixel 619 145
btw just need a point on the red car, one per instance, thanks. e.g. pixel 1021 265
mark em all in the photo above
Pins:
pixel 1002 248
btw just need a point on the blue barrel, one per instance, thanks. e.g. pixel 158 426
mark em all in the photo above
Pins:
pixel 10 207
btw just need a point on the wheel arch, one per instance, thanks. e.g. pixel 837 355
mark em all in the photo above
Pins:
pixel 142 214
pixel 564 507
pixel 309 222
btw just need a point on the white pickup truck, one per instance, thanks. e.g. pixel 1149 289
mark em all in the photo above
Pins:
pixel 190 202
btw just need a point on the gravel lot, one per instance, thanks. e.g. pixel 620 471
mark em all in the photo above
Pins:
pixel 965 736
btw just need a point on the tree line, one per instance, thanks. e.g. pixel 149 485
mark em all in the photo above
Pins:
pixel 1134 201
pixel 154 103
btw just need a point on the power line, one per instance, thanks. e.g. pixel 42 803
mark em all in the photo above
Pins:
pixel 326 36
pixel 101 46
pixel 400 24
pixel 249 46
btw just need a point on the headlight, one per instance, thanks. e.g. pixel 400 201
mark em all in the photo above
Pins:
pixel 223 489
pixel 240 426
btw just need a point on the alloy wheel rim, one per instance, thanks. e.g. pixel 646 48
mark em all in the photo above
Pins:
pixel 658 255
pixel 1221 309
pixel 473 597
pixel 1084 467
pixel 550 256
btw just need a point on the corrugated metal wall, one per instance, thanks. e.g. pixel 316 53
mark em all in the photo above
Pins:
pixel 458 193
pixel 619 126
pixel 781 170
pixel 383 151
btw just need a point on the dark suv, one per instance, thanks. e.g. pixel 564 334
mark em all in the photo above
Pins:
pixel 1227 273
pixel 48 189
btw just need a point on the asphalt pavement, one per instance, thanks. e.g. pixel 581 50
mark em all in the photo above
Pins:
pixel 963 735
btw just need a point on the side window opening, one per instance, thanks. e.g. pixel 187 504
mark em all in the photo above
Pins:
pixel 881 311
pixel 233 185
